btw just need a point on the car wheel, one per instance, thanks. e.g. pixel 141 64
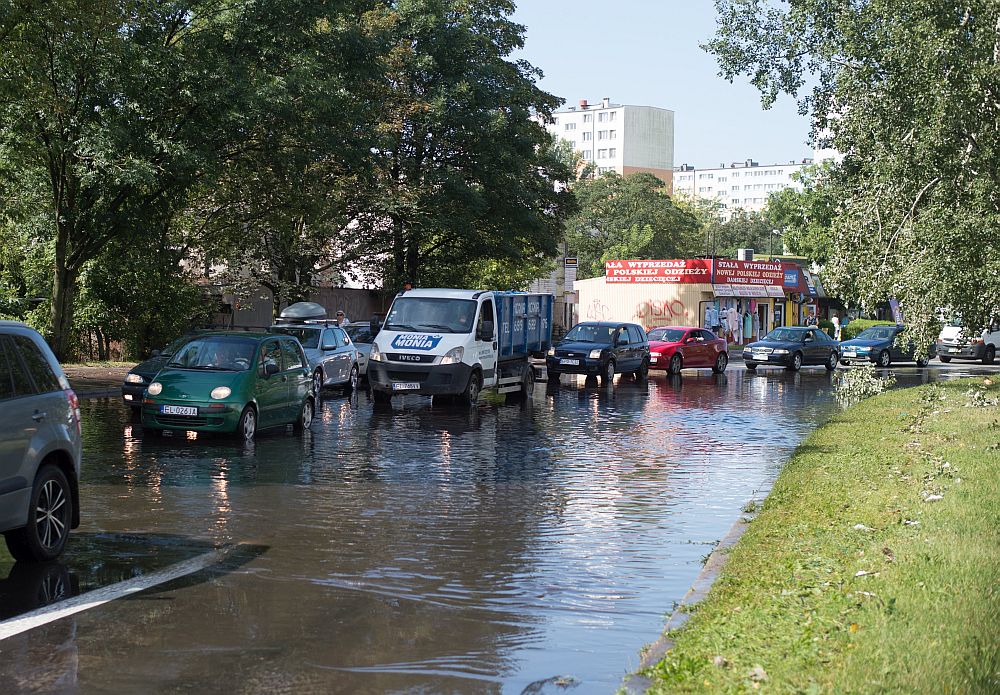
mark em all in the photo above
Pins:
pixel 796 364
pixel 923 362
pixel 831 363
pixel 553 377
pixel 305 420
pixel 471 394
pixel 352 381
pixel 944 358
pixel 676 363
pixel 318 382
pixel 246 429
pixel 608 377
pixel 989 355
pixel 883 360
pixel 50 516
pixel 643 372
pixel 720 363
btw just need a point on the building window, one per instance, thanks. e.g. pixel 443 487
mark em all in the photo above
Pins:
pixel 602 117
pixel 705 189
pixel 612 134
pixel 588 154
pixel 611 116
pixel 735 201
pixel 602 154
pixel 555 121
pixel 736 174
pixel 587 135
pixel 602 135
pixel 570 126
pixel 736 188
pixel 722 178
pixel 613 152
pixel 588 118
pixel 747 187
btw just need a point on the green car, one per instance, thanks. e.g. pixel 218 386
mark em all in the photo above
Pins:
pixel 234 383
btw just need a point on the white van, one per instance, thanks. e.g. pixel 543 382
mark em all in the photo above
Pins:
pixel 955 342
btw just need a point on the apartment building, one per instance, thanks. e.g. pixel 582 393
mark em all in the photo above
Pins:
pixel 742 185
pixel 619 137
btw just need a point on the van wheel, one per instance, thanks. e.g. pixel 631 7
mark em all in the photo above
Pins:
pixel 49 518
pixel 989 355
pixel 305 420
pixel 471 394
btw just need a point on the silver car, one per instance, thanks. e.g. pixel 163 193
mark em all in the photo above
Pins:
pixel 39 447
pixel 332 356
pixel 361 336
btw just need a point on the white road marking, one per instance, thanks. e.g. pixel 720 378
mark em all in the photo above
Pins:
pixel 97 597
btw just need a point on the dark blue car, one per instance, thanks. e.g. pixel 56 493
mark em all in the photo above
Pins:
pixel 792 347
pixel 600 348
pixel 879 344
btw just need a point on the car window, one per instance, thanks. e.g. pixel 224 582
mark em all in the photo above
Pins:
pixel 635 333
pixel 329 338
pixel 360 332
pixel 38 366
pixel 291 356
pixel 707 335
pixel 20 379
pixel 6 377
pixel 341 336
pixel 785 334
pixel 669 335
pixel 309 337
pixel 270 353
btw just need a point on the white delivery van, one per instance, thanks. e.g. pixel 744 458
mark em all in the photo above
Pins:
pixel 454 343
pixel 955 342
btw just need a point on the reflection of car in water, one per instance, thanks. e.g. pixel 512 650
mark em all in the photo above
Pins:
pixel 956 342
pixel 792 347
pixel 879 344
pixel 33 585
pixel 679 347
pixel 40 447
pixel 333 358
pixel 232 382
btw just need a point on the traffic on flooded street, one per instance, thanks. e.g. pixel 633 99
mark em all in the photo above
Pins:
pixel 505 547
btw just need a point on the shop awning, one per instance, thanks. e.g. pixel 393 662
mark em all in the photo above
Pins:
pixel 756 291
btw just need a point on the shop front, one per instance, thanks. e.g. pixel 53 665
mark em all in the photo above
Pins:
pixel 740 300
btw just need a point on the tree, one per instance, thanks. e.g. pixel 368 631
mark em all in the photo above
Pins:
pixel 629 215
pixel 805 217
pixel 463 170
pixel 909 92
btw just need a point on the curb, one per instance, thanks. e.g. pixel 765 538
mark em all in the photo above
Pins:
pixel 636 684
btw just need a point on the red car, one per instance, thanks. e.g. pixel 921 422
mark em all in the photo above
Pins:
pixel 678 347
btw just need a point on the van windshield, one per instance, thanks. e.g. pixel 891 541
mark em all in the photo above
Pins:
pixel 431 315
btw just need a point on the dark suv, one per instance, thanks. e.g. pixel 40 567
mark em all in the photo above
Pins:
pixel 39 447
pixel 600 348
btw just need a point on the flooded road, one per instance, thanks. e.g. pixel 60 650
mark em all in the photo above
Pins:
pixel 415 549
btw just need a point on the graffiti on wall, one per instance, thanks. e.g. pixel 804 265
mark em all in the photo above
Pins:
pixel 661 312
pixel 598 311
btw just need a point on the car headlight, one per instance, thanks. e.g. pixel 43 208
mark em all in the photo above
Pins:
pixel 154 388
pixel 220 392
pixel 780 351
pixel 376 354
pixel 453 356
pixel 596 354
pixel 552 351
pixel 655 354
pixel 134 378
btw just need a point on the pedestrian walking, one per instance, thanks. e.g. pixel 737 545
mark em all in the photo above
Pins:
pixel 836 327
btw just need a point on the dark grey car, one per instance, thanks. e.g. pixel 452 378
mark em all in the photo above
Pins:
pixel 39 447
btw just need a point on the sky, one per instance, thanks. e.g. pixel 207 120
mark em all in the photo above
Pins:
pixel 645 53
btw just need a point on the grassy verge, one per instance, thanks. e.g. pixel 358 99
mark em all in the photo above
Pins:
pixel 874 564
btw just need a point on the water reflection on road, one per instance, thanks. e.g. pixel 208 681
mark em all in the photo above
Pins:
pixel 416 549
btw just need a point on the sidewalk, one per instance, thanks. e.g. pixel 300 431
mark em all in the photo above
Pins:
pixel 97 380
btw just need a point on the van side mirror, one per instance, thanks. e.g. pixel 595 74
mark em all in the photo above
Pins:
pixel 485 331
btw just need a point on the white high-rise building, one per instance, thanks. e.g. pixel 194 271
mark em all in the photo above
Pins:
pixel 738 186
pixel 618 137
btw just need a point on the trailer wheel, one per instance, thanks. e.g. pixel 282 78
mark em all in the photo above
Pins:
pixel 527 387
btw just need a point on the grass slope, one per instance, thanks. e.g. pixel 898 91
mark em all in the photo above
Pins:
pixel 874 564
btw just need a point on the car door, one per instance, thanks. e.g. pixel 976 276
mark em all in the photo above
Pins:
pixel 295 370
pixel 813 350
pixel 271 389
pixel 707 346
pixel 485 341
pixel 636 340
pixel 620 349
pixel 901 349
pixel 338 354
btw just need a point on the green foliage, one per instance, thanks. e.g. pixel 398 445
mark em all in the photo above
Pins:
pixel 827 326
pixel 905 91
pixel 805 217
pixel 627 217
pixel 858 383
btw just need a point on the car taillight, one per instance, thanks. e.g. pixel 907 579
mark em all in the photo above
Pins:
pixel 74 406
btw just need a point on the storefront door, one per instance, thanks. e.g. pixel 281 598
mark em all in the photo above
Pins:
pixel 779 314
pixel 761 320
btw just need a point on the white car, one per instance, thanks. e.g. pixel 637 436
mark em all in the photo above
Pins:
pixel 361 336
pixel 954 342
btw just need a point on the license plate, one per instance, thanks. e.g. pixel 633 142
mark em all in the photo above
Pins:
pixel 850 354
pixel 954 350
pixel 568 361
pixel 178 410
pixel 406 386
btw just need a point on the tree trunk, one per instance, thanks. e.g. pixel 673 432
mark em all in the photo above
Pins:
pixel 63 291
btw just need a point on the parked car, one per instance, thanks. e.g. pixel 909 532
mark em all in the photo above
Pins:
pixel 333 358
pixel 792 347
pixel 39 447
pixel 679 347
pixel 232 382
pixel 955 342
pixel 141 375
pixel 878 344
pixel 362 337
pixel 600 349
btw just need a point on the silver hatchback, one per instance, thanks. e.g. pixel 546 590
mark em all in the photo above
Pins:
pixel 39 447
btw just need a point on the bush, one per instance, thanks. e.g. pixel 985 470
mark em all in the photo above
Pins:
pixel 827 326
pixel 852 329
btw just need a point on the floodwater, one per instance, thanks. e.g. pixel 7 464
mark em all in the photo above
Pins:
pixel 504 549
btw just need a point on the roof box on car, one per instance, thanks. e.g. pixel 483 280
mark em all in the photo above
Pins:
pixel 302 311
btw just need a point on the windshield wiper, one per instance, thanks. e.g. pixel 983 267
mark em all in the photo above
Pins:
pixel 399 327
pixel 439 326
